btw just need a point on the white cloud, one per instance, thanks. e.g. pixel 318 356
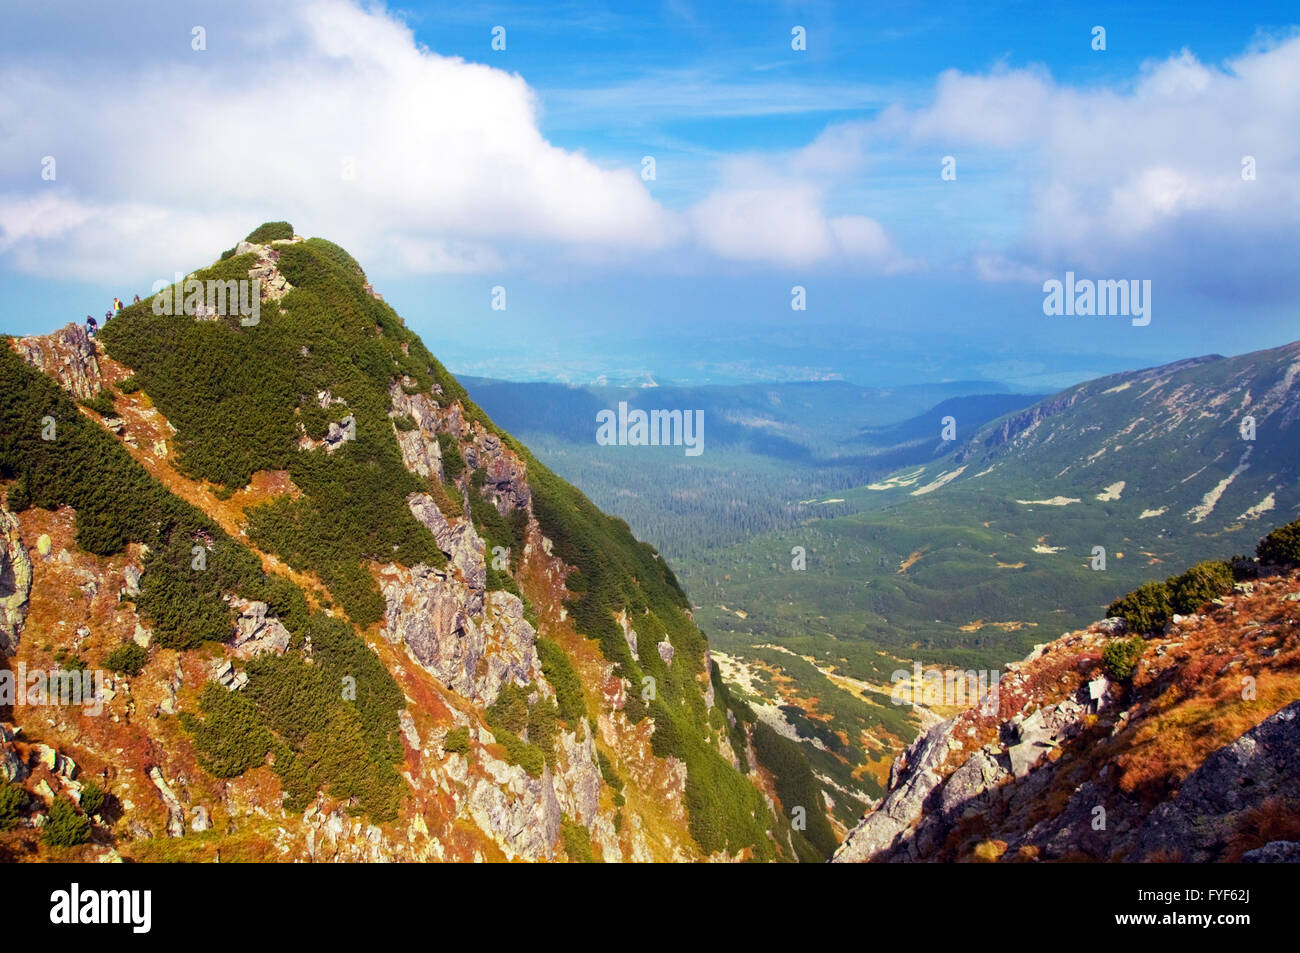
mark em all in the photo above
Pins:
pixel 446 156
pixel 1146 176
pixel 165 156
pixel 774 208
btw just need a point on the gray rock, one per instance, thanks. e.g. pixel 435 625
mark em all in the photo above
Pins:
pixel 256 632
pixel 912 779
pixel 1274 852
pixel 15 583
pixel 131 576
pixel 68 356
pixel 175 810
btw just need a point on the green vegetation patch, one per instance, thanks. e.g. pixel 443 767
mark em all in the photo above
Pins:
pixel 270 232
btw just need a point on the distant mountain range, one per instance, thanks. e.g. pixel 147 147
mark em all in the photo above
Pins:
pixel 827 421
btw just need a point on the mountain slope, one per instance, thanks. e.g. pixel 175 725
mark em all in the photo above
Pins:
pixel 367 622
pixel 976 550
pixel 1180 745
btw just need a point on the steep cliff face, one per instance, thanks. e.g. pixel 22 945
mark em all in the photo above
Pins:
pixel 338 614
pixel 1197 758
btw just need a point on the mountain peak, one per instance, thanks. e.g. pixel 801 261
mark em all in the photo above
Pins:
pixel 294 531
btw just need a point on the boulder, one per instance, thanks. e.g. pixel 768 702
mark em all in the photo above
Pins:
pixel 256 632
pixel 131 576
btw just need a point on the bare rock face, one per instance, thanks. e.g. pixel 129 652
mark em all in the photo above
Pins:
pixel 577 783
pixel 13 767
pixel 68 355
pixel 256 632
pixel 175 810
pixel 15 582
pixel 521 813
pixel 461 542
pixel 420 450
pixel 471 652
pixel 1196 823
pixel 504 471
pixel 1274 852
pixel 912 779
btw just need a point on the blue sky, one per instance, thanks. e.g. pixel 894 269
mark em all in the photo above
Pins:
pixel 472 168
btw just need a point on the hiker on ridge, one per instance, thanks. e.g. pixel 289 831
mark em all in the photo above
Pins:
pixel 91 326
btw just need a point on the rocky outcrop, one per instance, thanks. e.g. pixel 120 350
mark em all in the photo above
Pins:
pixel 521 813
pixel 473 653
pixel 461 542
pixel 255 631
pixel 15 582
pixel 1197 823
pixel 175 810
pixel 13 767
pixel 1066 766
pixel 420 450
pixel 577 784
pixel 1274 852
pixel 504 472
pixel 912 779
pixel 68 356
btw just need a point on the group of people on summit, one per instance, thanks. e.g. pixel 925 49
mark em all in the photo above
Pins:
pixel 92 325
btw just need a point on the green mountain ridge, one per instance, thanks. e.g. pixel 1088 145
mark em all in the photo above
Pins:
pixel 313 390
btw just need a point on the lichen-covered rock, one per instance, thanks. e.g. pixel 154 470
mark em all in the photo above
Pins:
pixel 420 450
pixel 15 582
pixel 473 653
pixel 1274 852
pixel 504 472
pixel 256 632
pixel 68 355
pixel 460 541
pixel 520 812
pixel 577 779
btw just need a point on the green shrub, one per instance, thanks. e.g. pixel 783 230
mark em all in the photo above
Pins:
pixel 404 423
pixel 1120 658
pixel 453 464
pixel 101 404
pixel 230 737
pixel 128 385
pixel 1202 583
pixel 1282 546
pixel 93 798
pixel 607 771
pixel 127 658
pixel 543 724
pixel 270 232
pixel 12 797
pixel 65 826
pixel 520 752
pixel 510 710
pixel 1146 609
pixel 457 740
pixel 559 671
pixel 577 842
pixel 335 255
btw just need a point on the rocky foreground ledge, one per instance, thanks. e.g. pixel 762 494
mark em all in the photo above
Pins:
pixel 1198 759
